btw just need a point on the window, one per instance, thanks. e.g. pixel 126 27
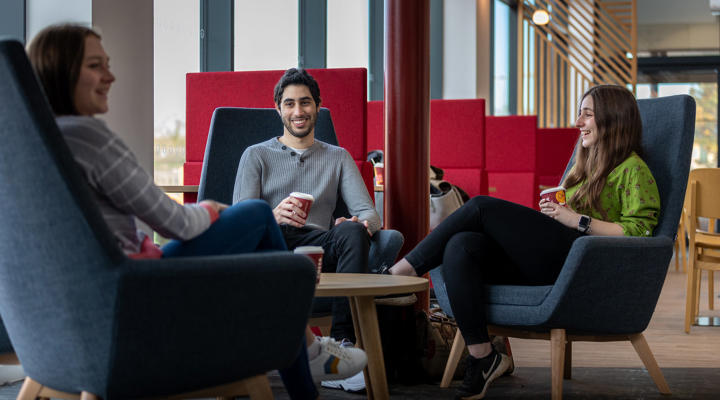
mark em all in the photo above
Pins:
pixel 501 59
pixel 347 34
pixel 266 35
pixel 176 52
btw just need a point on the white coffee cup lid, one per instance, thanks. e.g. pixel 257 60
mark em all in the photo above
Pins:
pixel 301 195
pixel 309 250
pixel 555 189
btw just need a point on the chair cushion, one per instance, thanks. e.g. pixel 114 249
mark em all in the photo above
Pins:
pixel 517 295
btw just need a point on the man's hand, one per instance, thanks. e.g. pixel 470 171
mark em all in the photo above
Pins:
pixel 354 218
pixel 215 205
pixel 289 212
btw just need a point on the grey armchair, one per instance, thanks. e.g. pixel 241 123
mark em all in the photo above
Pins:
pixel 232 130
pixel 609 286
pixel 83 318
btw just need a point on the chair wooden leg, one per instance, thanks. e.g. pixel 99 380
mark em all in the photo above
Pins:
pixel 643 350
pixel 690 293
pixel 30 390
pixel 683 251
pixel 711 290
pixel 557 357
pixel 453 360
pixel 567 370
pixel 258 387
pixel 676 249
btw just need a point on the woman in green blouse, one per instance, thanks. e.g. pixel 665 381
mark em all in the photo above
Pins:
pixel 610 192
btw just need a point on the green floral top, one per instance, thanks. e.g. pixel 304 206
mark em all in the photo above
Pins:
pixel 630 198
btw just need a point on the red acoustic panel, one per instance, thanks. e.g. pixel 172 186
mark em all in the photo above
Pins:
pixel 375 126
pixel 457 133
pixel 518 187
pixel 366 170
pixel 554 149
pixel 343 91
pixel 472 181
pixel 548 181
pixel 510 143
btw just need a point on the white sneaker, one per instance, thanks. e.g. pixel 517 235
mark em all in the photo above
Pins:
pixel 355 383
pixel 336 362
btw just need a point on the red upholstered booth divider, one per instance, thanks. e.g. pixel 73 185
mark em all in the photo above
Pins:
pixel 510 147
pixel 554 149
pixel 457 140
pixel 342 90
pixel 375 126
pixel 507 157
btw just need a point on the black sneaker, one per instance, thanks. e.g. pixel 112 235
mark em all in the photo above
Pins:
pixel 479 372
pixel 383 270
pixel 502 345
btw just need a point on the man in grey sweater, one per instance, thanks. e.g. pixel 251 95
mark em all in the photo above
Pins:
pixel 296 162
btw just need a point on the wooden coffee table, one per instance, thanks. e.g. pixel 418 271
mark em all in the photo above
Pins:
pixel 361 289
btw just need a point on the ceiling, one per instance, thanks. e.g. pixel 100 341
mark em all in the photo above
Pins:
pixel 674 12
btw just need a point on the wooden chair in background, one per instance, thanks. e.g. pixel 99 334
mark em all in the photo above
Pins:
pixel 681 245
pixel 703 246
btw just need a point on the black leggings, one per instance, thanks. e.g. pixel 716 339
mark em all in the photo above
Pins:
pixel 491 241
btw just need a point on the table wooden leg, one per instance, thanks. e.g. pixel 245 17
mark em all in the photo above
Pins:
pixel 359 344
pixel 370 331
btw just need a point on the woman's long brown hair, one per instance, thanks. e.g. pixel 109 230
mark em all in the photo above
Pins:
pixel 619 130
pixel 57 54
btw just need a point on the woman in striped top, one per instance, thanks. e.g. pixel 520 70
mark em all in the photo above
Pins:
pixel 74 70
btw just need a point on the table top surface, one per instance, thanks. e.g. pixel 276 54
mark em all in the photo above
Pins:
pixel 334 284
pixel 179 188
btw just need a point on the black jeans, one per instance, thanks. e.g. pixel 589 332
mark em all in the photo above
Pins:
pixel 491 241
pixel 346 249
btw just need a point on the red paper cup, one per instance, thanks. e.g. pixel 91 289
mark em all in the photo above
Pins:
pixel 379 174
pixel 556 195
pixel 305 199
pixel 315 253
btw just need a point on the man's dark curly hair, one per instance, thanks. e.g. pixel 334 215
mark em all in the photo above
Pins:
pixel 295 76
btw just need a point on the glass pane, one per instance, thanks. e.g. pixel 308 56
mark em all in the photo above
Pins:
pixel 266 35
pixel 347 34
pixel 176 52
pixel 705 148
pixel 501 59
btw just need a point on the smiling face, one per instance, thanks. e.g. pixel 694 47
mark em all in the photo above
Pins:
pixel 298 112
pixel 586 123
pixel 94 80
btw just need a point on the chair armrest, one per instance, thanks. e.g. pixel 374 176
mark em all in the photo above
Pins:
pixel 610 284
pixel 229 316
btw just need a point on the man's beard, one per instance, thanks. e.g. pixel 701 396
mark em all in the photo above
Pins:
pixel 291 128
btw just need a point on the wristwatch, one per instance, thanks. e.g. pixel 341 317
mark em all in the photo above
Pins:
pixel 584 224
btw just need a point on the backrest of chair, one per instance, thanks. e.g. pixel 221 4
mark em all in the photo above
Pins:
pixel 667 138
pixel 234 129
pixel 55 249
pixel 703 193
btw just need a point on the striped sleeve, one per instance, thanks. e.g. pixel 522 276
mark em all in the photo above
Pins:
pixel 114 172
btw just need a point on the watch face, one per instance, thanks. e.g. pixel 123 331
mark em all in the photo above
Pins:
pixel 584 223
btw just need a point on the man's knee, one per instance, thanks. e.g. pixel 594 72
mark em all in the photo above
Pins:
pixel 353 232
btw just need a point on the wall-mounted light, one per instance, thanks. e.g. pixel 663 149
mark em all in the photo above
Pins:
pixel 541 17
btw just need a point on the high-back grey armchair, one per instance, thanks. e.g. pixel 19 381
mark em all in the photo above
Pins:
pixel 234 129
pixel 609 286
pixel 82 317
